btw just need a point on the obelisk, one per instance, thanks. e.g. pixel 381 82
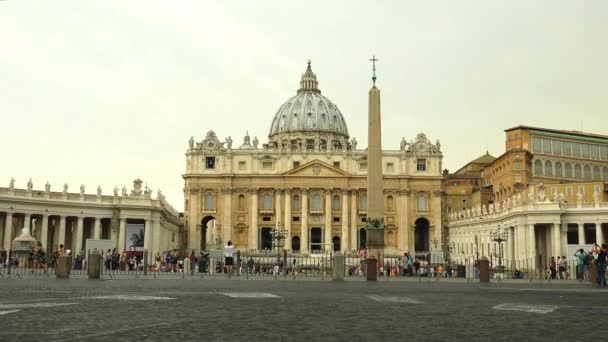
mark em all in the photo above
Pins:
pixel 375 200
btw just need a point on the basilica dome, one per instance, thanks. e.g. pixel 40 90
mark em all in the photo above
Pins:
pixel 307 114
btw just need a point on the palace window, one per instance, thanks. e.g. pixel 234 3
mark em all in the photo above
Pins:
pixel 363 201
pixel 576 149
pixel 581 189
pixel 335 205
pixel 267 165
pixel 390 167
pixel 556 147
pixel 267 201
pixel 421 202
pixel 567 148
pixel 210 162
pixel 587 172
pixel 242 165
pixel 295 203
pixel 241 202
pixel 209 202
pixel 558 169
pixel 546 145
pixel 296 164
pixel 604 152
pixel 536 144
pixel 596 173
pixel 337 164
pixel 315 202
pixel 421 164
pixel 578 171
pixel 585 150
pixel 363 166
pixel 390 203
pixel 538 168
pixel 595 151
pixel 517 164
pixel 605 170
pixel 568 191
pixel 568 170
pixel 548 168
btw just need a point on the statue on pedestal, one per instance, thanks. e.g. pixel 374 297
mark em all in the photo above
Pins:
pixel 81 189
pixel 353 143
pixel 191 142
pixel 402 144
pixel 30 185
pixel 99 190
pixel 115 191
pixel 579 197
pixel 255 142
pixel 11 184
pixel 229 143
pixel 124 191
pixel 65 188
pixel 47 187
pixel 596 197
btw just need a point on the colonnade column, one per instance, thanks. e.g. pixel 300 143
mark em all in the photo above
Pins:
pixel 304 220
pixel 148 235
pixel 522 248
pixel 122 231
pixel 97 228
pixel 227 224
pixel 44 232
pixel 287 219
pixel 563 239
pixel 581 233
pixel 79 233
pixel 344 235
pixel 253 227
pixel 327 244
pixel 277 207
pixel 354 233
pixel 156 237
pixel 532 246
pixel 599 236
pixel 193 242
pixel 8 231
pixel 556 240
pixel 61 234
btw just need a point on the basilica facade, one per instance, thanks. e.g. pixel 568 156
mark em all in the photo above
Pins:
pixel 309 179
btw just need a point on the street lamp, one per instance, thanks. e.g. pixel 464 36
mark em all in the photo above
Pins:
pixel 499 236
pixel 278 236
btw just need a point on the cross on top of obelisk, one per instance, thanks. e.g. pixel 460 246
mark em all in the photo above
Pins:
pixel 374 60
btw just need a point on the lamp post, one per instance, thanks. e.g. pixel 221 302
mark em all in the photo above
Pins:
pixel 499 236
pixel 278 235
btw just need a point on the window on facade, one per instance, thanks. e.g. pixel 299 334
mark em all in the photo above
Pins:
pixel 566 148
pixel 587 172
pixel 576 149
pixel 556 147
pixel 585 150
pixel 315 201
pixel 553 191
pixel 363 166
pixel 517 165
pixel 568 170
pixel 241 202
pixel 267 201
pixel 578 173
pixel 596 189
pixel 242 165
pixel 209 202
pixel 390 167
pixel 581 189
pixel 548 168
pixel 604 152
pixel 296 164
pixel 267 165
pixel 172 236
pixel 594 151
pixel 335 204
pixel 296 219
pixel 546 145
pixel 596 173
pixel 536 144
pixel 295 203
pixel 558 169
pixel 336 219
pixel 363 201
pixel 210 162
pixel 337 164
pixel 569 191
pixel 390 203
pixel 605 171
pixel 421 165
pixel 421 202
pixel 538 168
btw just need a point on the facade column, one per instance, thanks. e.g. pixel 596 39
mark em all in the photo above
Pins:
pixel 556 240
pixel 61 234
pixel 532 247
pixel 79 235
pixel 521 244
pixel 44 232
pixel 227 221
pixel 436 215
pixel 287 219
pixel 156 237
pixel 8 231
pixel 581 234
pixel 193 243
pixel 304 220
pixel 344 236
pixel 599 237
pixel 354 232
pixel 97 228
pixel 327 244
pixel 148 231
pixel 253 227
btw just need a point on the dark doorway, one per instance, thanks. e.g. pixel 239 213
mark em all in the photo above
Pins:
pixel 362 237
pixel 421 235
pixel 316 239
pixel 204 227
pixel 265 238
pixel 336 242
pixel 295 243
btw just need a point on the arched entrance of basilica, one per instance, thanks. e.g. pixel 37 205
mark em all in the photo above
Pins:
pixel 206 224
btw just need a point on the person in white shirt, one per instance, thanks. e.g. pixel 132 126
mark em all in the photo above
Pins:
pixel 229 256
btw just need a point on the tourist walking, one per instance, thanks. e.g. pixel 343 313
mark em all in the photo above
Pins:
pixel 600 261
pixel 581 261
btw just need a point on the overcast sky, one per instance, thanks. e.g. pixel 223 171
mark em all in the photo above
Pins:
pixel 102 92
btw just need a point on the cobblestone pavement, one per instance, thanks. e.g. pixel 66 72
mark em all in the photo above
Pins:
pixel 236 310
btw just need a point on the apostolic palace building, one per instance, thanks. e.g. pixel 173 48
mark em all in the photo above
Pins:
pixel 309 179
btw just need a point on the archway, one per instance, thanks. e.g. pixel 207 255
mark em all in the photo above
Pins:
pixel 205 225
pixel 265 239
pixel 421 235
pixel 362 237
pixel 336 242
pixel 316 239
pixel 295 243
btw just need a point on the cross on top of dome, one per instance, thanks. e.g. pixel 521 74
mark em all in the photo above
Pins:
pixel 309 81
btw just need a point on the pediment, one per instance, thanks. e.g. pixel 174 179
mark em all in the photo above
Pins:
pixel 316 168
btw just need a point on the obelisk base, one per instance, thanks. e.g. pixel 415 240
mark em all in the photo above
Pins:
pixel 375 252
